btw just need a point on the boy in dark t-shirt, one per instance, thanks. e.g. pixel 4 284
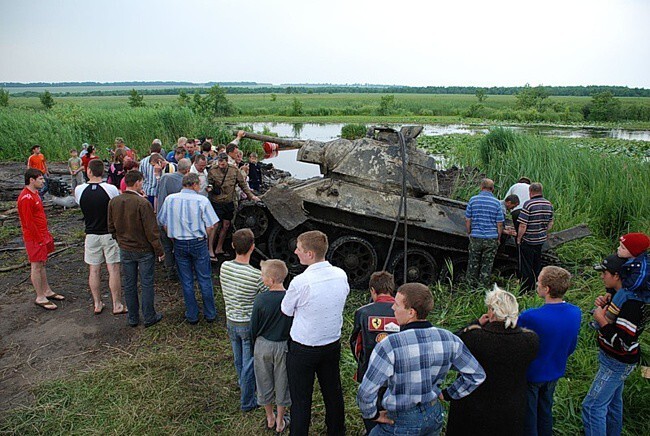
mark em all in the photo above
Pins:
pixel 269 334
pixel 254 173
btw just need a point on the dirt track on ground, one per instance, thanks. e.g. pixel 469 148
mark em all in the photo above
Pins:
pixel 36 344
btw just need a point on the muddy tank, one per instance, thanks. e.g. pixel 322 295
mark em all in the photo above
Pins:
pixel 357 202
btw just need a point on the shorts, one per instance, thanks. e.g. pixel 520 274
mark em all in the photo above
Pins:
pixel 37 252
pixel 270 363
pixel 101 248
pixel 225 211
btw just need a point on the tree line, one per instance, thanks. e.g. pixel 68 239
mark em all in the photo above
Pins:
pixel 570 91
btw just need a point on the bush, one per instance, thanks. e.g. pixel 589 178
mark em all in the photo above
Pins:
pixel 47 100
pixel 4 98
pixel 496 142
pixel 386 105
pixel 353 131
pixel 136 99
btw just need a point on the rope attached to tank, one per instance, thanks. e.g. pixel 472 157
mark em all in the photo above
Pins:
pixel 402 206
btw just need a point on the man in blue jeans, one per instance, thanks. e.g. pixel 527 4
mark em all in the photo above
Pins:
pixel 187 217
pixel 132 223
pixel 240 283
pixel 602 408
pixel 413 363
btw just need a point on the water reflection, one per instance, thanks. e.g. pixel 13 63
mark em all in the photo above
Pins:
pixel 297 129
pixel 327 132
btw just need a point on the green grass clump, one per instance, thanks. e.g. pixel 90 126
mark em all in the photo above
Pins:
pixel 353 131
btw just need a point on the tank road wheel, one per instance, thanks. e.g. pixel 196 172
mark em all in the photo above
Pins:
pixel 252 216
pixel 421 267
pixel 282 244
pixel 356 256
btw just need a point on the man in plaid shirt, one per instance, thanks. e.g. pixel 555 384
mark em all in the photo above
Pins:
pixel 413 363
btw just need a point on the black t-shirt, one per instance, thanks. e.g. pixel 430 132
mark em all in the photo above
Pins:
pixel 93 200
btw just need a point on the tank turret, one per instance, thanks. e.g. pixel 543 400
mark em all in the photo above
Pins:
pixel 374 161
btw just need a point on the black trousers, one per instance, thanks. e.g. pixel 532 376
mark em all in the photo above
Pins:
pixel 530 265
pixel 304 363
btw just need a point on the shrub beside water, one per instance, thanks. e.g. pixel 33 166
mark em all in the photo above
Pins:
pixel 353 131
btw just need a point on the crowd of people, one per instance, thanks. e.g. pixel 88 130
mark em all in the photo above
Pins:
pixel 173 209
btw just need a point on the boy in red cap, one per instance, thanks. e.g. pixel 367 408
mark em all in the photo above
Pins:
pixel 635 275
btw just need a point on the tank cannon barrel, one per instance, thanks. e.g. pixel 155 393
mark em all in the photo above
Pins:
pixel 285 143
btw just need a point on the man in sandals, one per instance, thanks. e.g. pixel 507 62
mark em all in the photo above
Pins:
pixel 100 247
pixel 38 240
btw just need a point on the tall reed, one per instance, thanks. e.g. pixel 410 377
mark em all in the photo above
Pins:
pixel 609 193
pixel 69 126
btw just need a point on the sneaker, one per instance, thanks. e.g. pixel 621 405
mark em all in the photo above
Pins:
pixel 156 319
pixel 594 325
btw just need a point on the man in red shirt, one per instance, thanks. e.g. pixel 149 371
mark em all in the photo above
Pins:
pixel 38 240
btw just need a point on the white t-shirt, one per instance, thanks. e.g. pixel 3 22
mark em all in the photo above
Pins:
pixel 316 299
pixel 521 191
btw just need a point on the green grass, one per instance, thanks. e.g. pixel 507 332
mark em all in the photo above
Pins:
pixel 608 193
pixel 98 120
pixel 177 379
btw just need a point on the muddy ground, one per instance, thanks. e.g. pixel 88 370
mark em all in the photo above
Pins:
pixel 36 344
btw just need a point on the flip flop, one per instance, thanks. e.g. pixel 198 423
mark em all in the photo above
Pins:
pixel 214 259
pixel 57 297
pixel 124 310
pixel 287 420
pixel 47 305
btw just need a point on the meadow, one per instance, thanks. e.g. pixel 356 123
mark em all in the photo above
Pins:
pixel 180 380
pixel 98 120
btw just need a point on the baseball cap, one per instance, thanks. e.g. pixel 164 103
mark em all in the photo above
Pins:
pixel 222 156
pixel 611 263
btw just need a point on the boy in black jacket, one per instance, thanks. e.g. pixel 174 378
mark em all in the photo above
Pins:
pixel 372 323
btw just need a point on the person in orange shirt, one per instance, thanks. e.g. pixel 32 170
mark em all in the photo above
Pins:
pixel 37 161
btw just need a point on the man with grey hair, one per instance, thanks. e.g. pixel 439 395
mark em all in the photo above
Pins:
pixel 484 223
pixel 171 183
pixel 535 221
pixel 186 217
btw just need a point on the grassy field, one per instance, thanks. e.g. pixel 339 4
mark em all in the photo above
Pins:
pixel 249 104
pixel 177 379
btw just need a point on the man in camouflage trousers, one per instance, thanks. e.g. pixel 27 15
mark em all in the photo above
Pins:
pixel 484 223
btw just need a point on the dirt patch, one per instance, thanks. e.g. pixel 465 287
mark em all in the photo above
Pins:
pixel 38 345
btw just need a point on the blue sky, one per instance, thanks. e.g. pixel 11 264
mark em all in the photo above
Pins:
pixel 461 42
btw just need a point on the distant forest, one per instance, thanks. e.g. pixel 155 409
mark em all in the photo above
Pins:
pixel 265 88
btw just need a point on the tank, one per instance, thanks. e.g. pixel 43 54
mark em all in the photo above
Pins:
pixel 356 202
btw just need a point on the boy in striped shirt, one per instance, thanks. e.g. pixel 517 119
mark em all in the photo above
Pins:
pixel 240 283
